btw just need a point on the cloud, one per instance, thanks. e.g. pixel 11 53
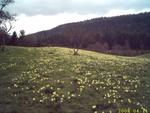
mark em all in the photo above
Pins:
pixel 53 7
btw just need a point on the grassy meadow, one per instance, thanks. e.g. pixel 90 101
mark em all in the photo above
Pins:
pixel 53 80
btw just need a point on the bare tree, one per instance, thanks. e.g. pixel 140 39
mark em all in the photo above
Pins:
pixel 5 22
pixel 77 44
pixel 76 40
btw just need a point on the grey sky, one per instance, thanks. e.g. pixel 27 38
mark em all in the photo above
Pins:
pixel 52 7
pixel 38 15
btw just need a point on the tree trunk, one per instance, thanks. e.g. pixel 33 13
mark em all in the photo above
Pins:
pixel 76 50
pixel 2 44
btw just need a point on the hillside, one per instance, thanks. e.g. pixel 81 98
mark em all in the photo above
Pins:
pixel 52 80
pixel 127 32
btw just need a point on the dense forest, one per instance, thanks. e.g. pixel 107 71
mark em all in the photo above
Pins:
pixel 120 33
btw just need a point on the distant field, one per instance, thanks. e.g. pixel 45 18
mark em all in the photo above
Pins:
pixel 52 80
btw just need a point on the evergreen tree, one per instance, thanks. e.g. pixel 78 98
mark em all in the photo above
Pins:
pixel 13 38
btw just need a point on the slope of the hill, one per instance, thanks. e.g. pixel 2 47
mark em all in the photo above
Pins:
pixel 100 34
pixel 52 80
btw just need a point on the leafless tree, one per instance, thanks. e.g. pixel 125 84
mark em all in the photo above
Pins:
pixel 5 22
pixel 75 40
pixel 77 44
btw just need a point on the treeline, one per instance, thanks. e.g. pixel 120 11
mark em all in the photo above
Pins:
pixel 14 39
pixel 121 33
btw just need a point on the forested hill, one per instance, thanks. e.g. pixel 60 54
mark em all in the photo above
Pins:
pixel 100 34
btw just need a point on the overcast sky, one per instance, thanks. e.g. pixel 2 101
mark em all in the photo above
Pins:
pixel 37 15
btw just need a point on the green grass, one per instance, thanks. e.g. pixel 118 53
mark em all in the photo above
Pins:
pixel 52 80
